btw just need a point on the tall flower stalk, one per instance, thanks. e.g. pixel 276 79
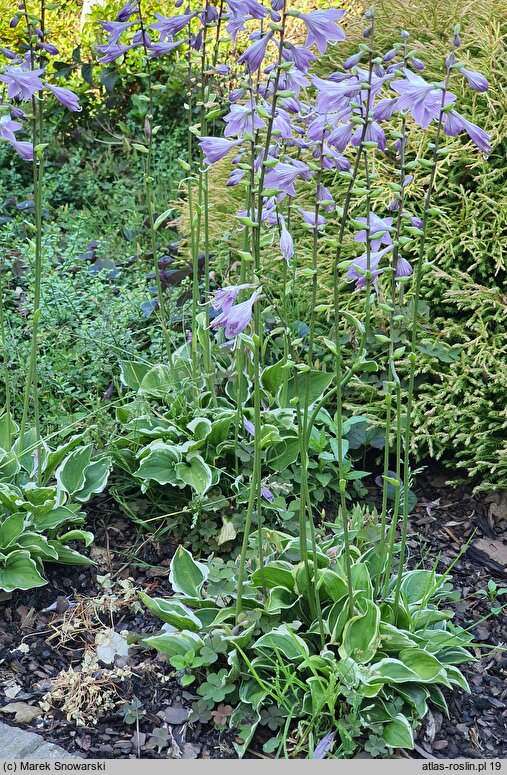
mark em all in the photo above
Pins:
pixel 37 123
pixel 281 136
pixel 24 75
pixel 414 334
pixel 163 312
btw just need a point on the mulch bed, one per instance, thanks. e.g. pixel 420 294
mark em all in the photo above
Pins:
pixel 53 641
pixel 444 520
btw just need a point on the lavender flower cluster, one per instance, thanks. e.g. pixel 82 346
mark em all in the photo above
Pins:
pixel 25 83
pixel 349 111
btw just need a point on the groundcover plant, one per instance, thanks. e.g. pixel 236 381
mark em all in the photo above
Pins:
pixel 319 628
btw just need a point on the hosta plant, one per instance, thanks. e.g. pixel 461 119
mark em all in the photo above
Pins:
pixel 363 671
pixel 174 450
pixel 41 493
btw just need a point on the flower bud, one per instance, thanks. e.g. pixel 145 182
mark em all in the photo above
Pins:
pixel 7 53
pixel 417 64
pixel 389 55
pixel 450 61
pixel 476 80
pixel 352 61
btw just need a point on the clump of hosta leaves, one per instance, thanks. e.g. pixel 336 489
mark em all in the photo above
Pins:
pixel 366 678
pixel 202 456
pixel 41 492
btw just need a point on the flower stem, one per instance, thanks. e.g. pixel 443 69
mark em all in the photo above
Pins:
pixel 413 348
pixel 148 183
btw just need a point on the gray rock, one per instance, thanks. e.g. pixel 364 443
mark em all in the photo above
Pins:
pixel 19 744
pixel 51 751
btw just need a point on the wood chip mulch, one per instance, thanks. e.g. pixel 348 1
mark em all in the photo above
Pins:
pixel 48 631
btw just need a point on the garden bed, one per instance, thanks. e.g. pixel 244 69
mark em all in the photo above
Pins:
pixel 54 641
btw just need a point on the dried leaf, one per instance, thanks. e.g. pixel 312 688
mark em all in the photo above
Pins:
pixel 24 713
pixel 109 645
pixel 12 690
pixel 227 532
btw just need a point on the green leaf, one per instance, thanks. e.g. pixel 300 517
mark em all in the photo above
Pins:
pixel 394 639
pixel 29 447
pixel 175 643
pixel 231 388
pixel 251 693
pixel 200 427
pixel 416 584
pixel 87 73
pixel 392 671
pixel 444 354
pixel 108 78
pixel 96 476
pixel 245 719
pixel 272 377
pixel 283 455
pixel 337 619
pixel 187 575
pixel 141 148
pixel 70 475
pixel 227 532
pixel 331 586
pixel 361 635
pixel 172 612
pixel 78 535
pixel 421 662
pixel 280 598
pixel 196 473
pixel 158 463
pixel 37 545
pixel 19 571
pixel 132 373
pixel 456 678
pixel 10 496
pixel 55 518
pixel 284 640
pixel 361 582
pixel 10 530
pixel 220 429
pixel 398 733
pixel 58 455
pixel 8 429
pixel 313 382
pixel 437 698
pixel 162 217
pixel 275 574
pixel 157 381
pixel 416 696
pixel 10 465
pixel 68 556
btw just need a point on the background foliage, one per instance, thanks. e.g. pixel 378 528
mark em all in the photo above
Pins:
pixel 461 411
